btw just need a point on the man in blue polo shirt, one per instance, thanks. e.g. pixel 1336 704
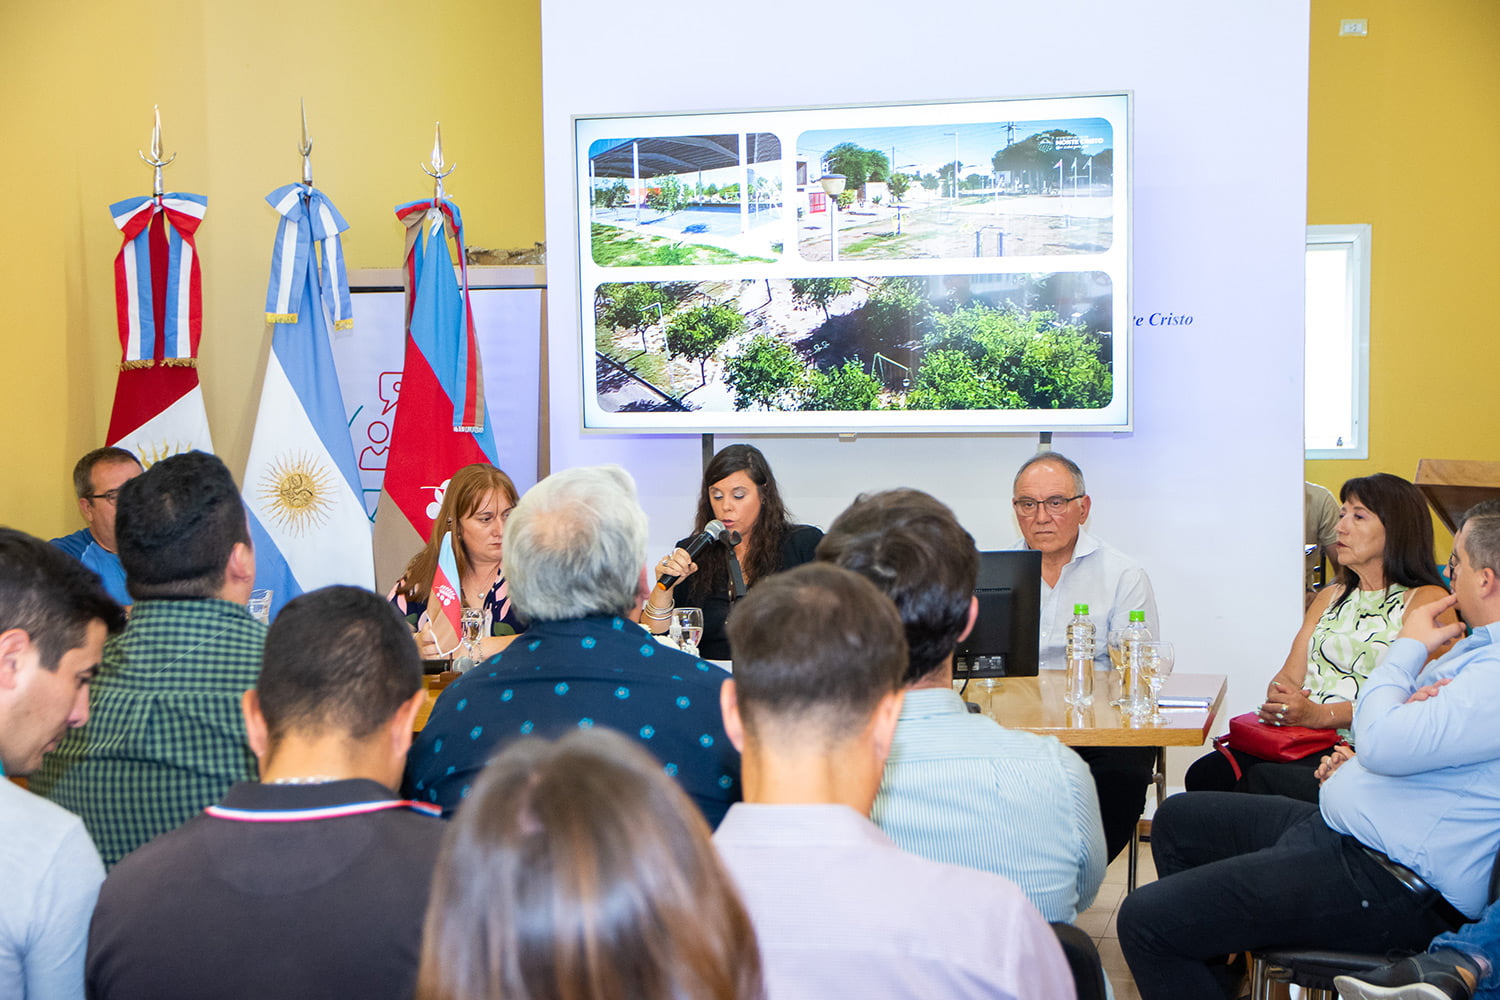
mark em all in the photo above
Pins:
pixel 97 478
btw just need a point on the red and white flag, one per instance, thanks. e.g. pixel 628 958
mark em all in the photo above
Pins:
pixel 158 409
pixel 441 421
pixel 445 607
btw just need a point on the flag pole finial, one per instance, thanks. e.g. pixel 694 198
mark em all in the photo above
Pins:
pixel 154 160
pixel 435 169
pixel 305 148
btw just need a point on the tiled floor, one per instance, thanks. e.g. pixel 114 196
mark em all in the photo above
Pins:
pixel 1099 921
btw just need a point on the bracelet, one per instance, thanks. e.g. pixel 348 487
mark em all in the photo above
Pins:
pixel 663 615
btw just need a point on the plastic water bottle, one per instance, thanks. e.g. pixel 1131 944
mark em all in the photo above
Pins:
pixel 1080 680
pixel 1139 632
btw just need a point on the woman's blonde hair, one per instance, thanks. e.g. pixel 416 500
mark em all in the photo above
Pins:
pixel 577 870
pixel 466 491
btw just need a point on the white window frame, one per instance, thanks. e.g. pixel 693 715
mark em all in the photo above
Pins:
pixel 1356 241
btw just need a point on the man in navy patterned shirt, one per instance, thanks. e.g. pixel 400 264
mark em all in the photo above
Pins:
pixel 575 556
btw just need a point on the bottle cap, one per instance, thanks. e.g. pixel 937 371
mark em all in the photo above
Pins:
pixel 1080 609
pixel 1137 616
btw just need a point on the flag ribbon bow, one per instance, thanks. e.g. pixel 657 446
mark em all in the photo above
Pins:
pixel 158 280
pixel 308 218
pixel 465 382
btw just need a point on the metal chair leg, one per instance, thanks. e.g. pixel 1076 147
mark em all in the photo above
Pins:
pixel 1260 980
pixel 1159 779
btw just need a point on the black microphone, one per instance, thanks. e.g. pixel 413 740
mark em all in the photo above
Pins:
pixel 712 532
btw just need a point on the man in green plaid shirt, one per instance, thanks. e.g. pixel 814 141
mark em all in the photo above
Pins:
pixel 165 737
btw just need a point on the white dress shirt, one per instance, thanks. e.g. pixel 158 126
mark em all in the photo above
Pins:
pixel 1109 582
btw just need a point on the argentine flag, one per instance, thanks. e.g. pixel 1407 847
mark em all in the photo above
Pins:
pixel 301 484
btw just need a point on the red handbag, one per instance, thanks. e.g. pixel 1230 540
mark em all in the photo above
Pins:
pixel 1248 734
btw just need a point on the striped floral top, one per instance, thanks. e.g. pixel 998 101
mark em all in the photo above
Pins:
pixel 1349 640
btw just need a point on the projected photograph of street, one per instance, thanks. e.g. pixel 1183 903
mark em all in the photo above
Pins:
pixel 693 199
pixel 1002 189
pixel 929 342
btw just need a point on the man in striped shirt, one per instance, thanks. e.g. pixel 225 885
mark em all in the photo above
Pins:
pixel 962 788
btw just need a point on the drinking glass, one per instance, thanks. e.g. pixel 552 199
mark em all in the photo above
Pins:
pixel 1119 658
pixel 259 605
pixel 473 625
pixel 1156 666
pixel 688 624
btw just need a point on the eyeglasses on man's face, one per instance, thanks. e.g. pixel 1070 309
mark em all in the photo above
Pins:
pixel 1027 507
pixel 108 496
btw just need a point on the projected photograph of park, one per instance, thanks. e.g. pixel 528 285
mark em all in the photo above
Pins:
pixel 1001 189
pixel 688 199
pixel 928 342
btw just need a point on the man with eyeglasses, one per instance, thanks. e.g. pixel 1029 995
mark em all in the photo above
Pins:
pixel 1051 505
pixel 97 478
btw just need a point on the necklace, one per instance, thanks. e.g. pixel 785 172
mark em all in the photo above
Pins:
pixel 311 779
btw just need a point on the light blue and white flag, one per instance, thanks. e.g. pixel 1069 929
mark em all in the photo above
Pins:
pixel 301 483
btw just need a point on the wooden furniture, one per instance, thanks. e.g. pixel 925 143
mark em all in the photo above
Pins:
pixel 1036 705
pixel 435 683
pixel 1452 486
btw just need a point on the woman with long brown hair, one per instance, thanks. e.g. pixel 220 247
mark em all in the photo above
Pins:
pixel 475 507
pixel 739 491
pixel 1386 568
pixel 578 870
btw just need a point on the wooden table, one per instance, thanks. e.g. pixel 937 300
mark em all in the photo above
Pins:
pixel 435 685
pixel 1036 705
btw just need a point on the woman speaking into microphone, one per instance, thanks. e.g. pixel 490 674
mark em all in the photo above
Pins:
pixel 739 492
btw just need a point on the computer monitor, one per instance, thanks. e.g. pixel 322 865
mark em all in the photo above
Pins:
pixel 1003 642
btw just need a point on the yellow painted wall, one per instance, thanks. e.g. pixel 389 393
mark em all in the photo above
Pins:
pixel 1398 138
pixel 1400 135
pixel 75 105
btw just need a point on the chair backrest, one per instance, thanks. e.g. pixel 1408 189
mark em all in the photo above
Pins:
pixel 1083 961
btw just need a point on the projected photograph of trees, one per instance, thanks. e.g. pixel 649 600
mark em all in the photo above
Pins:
pixel 999 189
pixel 939 342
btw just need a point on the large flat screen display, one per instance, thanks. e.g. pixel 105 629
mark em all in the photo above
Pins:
pixel 903 268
